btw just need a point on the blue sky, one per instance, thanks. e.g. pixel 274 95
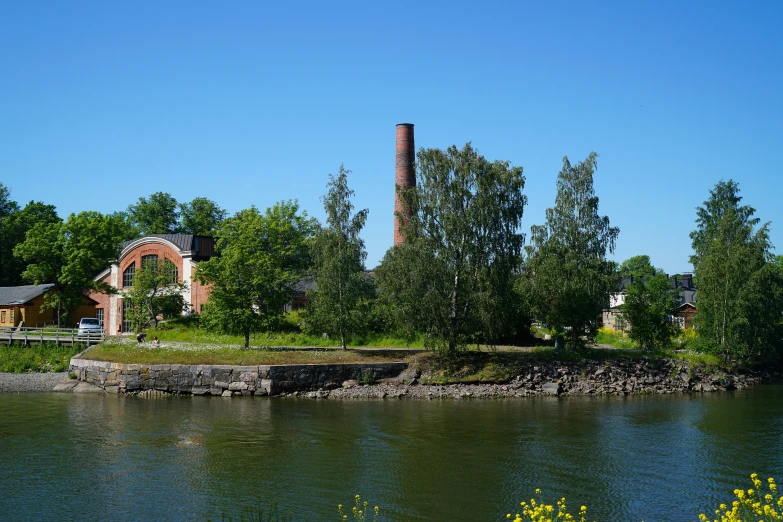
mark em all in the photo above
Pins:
pixel 249 103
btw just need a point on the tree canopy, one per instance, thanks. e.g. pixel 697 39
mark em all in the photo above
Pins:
pixel 568 277
pixel 650 303
pixel 338 254
pixel 14 226
pixel 739 286
pixel 200 217
pixel 69 255
pixel 453 277
pixel 262 259
pixel 637 267
pixel 157 214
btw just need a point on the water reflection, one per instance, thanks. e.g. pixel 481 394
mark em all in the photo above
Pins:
pixel 107 457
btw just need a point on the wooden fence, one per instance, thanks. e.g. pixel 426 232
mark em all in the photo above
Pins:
pixel 50 334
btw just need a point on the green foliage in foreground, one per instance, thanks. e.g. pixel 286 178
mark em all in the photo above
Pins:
pixel 36 358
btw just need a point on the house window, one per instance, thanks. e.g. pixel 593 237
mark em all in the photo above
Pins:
pixel 128 274
pixel 127 324
pixel 99 315
pixel 2 316
pixel 171 271
pixel 12 316
pixel 150 261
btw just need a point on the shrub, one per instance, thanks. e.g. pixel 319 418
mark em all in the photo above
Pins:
pixel 540 511
pixel 752 505
pixel 359 511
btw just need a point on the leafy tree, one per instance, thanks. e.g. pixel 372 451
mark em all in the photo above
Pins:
pixel 338 254
pixel 69 255
pixel 13 229
pixel 7 205
pixel 649 304
pixel 200 217
pixel 453 277
pixel 156 215
pixel 568 277
pixel 739 306
pixel 637 266
pixel 156 292
pixel 262 258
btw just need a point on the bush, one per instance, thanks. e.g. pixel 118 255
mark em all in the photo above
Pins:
pixel 752 505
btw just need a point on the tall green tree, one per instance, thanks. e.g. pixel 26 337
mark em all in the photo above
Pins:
pixel 739 306
pixel 650 302
pixel 157 214
pixel 568 277
pixel 453 277
pixel 338 303
pixel 69 255
pixel 637 266
pixel 262 259
pixel 13 230
pixel 200 217
pixel 156 292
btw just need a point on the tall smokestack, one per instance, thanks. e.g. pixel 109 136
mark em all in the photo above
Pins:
pixel 404 176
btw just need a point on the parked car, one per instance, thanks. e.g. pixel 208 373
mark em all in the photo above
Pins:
pixel 89 327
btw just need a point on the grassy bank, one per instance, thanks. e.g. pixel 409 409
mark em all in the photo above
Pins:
pixel 36 358
pixel 128 351
pixel 466 367
pixel 187 330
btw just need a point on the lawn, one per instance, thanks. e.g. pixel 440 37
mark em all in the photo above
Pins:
pixel 128 351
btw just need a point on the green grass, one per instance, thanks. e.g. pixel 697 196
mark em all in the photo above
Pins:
pixel 128 351
pixel 615 339
pixel 186 330
pixel 36 358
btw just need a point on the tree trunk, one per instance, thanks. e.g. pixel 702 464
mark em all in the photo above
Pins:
pixel 247 337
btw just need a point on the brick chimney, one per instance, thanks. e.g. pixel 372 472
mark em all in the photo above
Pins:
pixel 404 175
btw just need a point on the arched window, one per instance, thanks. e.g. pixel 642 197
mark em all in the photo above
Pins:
pixel 149 261
pixel 171 270
pixel 128 274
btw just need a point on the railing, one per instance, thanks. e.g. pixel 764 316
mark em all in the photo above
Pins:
pixel 49 334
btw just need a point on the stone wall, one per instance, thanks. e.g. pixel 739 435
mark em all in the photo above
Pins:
pixel 225 380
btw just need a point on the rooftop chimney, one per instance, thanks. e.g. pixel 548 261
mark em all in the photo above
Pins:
pixel 404 175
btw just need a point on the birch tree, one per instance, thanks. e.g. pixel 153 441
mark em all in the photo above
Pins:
pixel 453 277
pixel 738 301
pixel 338 303
pixel 568 277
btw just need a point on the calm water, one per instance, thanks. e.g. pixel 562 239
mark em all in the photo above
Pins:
pixel 76 457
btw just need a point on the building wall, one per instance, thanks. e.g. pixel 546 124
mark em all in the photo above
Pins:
pixel 9 316
pixel 104 303
pixel 160 250
pixel 32 315
pixel 199 293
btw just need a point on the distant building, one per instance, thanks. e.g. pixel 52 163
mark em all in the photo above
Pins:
pixel 182 251
pixel 20 306
pixel 612 317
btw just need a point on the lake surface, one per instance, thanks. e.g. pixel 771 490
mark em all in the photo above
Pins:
pixel 76 457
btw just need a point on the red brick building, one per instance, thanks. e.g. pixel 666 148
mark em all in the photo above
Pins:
pixel 183 251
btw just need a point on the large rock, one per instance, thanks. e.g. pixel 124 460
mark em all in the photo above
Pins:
pixel 552 388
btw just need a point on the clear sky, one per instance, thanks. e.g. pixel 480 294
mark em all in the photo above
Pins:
pixel 249 103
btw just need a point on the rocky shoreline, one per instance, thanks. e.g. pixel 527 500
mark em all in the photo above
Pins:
pixel 607 377
pixel 615 377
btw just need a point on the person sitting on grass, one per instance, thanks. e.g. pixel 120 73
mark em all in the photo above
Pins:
pixel 155 340
pixel 141 337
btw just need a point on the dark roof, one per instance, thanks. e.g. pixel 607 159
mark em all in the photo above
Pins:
pixel 17 295
pixel 183 241
pixel 202 246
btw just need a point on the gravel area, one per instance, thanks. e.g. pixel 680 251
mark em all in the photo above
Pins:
pixel 30 382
